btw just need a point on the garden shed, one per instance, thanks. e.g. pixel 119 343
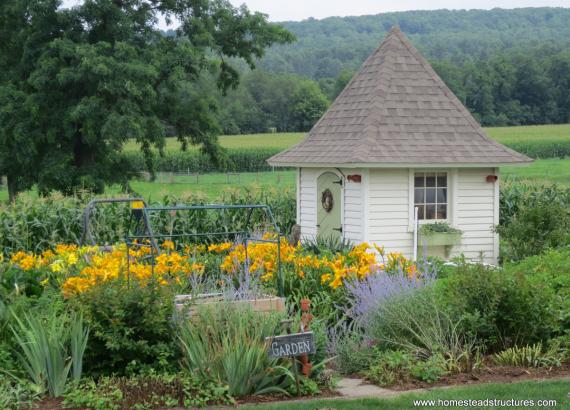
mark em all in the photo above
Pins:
pixel 397 141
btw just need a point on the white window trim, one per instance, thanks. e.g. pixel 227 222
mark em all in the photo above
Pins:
pixel 451 197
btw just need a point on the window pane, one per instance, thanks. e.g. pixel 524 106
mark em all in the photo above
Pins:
pixel 419 180
pixel 419 197
pixel 441 195
pixel 430 195
pixel 442 180
pixel 430 211
pixel 421 214
pixel 430 180
pixel 441 212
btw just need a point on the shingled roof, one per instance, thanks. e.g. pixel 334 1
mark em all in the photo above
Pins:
pixel 397 111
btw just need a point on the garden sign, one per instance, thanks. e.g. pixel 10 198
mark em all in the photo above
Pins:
pixel 295 344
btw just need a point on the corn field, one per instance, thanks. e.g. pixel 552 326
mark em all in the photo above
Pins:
pixel 36 224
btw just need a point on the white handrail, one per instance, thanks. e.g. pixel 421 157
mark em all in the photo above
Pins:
pixel 416 209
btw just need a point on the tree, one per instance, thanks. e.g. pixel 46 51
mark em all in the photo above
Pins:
pixel 308 105
pixel 77 83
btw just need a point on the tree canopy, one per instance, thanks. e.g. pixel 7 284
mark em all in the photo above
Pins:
pixel 77 83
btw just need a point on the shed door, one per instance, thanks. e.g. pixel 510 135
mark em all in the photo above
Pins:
pixel 329 196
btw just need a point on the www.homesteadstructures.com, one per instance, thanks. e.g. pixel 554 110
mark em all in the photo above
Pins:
pixel 395 140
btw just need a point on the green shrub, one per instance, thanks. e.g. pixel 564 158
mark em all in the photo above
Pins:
pixel 16 394
pixel 419 324
pixel 228 343
pixel 131 327
pixel 528 356
pixel 353 355
pixel 151 391
pixel 534 229
pixel 550 269
pixel 398 367
pixel 516 196
pixel 499 308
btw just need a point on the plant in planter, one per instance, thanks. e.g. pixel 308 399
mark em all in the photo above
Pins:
pixel 439 234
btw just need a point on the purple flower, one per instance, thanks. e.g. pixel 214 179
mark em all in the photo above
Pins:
pixel 369 294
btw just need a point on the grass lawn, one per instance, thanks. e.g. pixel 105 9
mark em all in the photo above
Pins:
pixel 543 171
pixel 210 185
pixel 537 390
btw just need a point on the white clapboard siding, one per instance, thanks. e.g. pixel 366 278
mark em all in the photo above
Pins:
pixel 387 216
pixel 352 213
pixel 476 214
pixel 308 202
pixel 353 203
pixel 384 196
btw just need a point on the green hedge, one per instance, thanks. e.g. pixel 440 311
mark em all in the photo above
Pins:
pixel 37 224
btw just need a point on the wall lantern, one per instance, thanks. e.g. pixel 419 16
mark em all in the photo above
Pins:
pixel 354 178
pixel 492 178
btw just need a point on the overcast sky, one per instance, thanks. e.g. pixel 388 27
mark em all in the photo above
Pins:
pixel 281 10
pixel 284 10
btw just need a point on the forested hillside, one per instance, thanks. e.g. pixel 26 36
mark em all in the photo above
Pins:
pixel 509 67
pixel 325 47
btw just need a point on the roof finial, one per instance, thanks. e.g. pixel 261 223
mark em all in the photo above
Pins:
pixel 395 28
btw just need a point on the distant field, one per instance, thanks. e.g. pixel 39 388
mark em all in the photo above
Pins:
pixel 542 171
pixel 278 141
pixel 530 133
pixel 505 135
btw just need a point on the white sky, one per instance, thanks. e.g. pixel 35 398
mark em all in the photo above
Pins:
pixel 282 10
pixel 285 10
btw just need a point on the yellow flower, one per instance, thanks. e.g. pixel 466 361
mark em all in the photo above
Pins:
pixel 267 277
pixel 168 245
pixel 325 278
pixel 336 282
pixel 219 248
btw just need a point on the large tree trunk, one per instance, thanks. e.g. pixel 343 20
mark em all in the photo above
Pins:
pixel 12 188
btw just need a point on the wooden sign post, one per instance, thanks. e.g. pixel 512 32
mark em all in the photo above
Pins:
pixel 292 345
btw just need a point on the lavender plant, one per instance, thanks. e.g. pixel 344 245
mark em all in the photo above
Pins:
pixel 369 294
